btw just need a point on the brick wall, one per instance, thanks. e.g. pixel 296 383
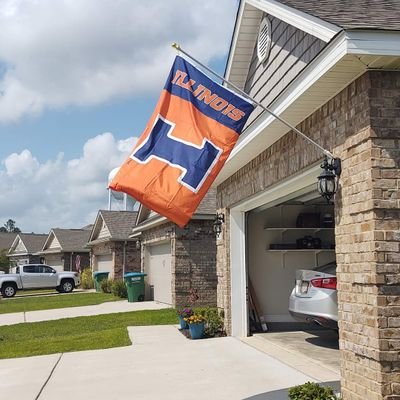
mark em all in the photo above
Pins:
pixel 193 259
pixel 132 258
pixel 195 263
pixel 360 125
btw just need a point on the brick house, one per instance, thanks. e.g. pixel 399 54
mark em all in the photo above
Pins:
pixel 177 260
pixel 111 249
pixel 25 247
pixel 332 69
pixel 64 249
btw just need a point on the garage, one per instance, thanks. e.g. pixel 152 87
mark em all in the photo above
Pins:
pixel 270 240
pixel 159 274
pixel 104 263
pixel 55 261
pixel 296 234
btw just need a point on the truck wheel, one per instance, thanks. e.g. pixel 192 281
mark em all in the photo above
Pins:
pixel 67 285
pixel 8 290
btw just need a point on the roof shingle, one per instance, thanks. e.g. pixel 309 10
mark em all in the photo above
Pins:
pixel 119 223
pixel 352 14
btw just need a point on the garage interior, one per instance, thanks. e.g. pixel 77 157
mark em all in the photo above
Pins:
pixel 282 238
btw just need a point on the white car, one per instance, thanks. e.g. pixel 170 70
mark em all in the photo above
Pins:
pixel 314 298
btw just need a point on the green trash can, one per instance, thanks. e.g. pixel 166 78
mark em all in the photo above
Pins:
pixel 134 282
pixel 98 277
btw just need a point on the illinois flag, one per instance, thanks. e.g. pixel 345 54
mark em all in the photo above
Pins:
pixel 185 144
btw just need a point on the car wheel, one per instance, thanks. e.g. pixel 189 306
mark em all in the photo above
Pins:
pixel 8 290
pixel 58 288
pixel 67 285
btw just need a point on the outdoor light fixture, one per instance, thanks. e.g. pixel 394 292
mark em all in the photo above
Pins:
pixel 138 244
pixel 329 178
pixel 217 224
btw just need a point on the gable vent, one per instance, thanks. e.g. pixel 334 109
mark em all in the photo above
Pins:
pixel 264 39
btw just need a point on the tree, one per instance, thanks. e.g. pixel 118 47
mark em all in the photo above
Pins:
pixel 9 226
pixel 4 262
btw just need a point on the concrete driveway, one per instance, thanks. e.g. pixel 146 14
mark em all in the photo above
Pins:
pixel 161 364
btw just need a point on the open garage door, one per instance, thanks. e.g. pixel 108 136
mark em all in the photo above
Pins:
pixel 159 276
pixel 105 263
pixel 297 234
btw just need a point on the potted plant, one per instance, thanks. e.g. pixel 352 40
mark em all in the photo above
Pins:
pixel 196 326
pixel 183 313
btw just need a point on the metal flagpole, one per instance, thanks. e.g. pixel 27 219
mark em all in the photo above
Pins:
pixel 244 94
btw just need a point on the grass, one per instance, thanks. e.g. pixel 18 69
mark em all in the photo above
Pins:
pixel 76 334
pixel 51 302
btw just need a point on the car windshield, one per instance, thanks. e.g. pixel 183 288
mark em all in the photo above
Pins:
pixel 327 268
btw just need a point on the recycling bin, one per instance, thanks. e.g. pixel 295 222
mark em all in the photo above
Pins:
pixel 134 282
pixel 98 277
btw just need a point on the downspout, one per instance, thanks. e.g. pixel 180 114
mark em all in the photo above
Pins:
pixel 124 259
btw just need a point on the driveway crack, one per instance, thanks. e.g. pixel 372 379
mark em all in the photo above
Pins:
pixel 48 378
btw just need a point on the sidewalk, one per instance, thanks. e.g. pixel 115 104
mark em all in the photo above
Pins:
pixel 161 364
pixel 71 312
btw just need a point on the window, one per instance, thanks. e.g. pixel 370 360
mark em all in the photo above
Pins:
pixel 30 269
pixel 48 270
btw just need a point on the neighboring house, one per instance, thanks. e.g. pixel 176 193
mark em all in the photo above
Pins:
pixel 177 260
pixel 25 247
pixel 331 68
pixel 111 248
pixel 64 249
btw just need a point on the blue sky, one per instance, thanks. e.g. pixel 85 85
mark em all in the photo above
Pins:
pixel 76 91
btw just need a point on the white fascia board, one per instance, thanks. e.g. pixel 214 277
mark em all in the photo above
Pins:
pixel 377 43
pixel 314 26
pixel 330 56
pixel 47 242
pixel 234 40
pixel 148 225
pixel 95 226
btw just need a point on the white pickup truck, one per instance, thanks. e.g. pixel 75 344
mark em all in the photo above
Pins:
pixel 38 276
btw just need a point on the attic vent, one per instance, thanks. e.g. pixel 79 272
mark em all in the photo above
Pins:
pixel 264 40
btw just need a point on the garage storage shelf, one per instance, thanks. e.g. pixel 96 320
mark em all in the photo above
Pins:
pixel 315 251
pixel 306 230
pixel 314 230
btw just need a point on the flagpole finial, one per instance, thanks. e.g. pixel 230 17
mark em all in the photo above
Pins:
pixel 176 46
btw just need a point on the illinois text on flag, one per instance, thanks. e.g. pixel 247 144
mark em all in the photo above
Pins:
pixel 185 144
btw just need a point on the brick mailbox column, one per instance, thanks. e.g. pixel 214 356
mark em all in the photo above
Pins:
pixel 367 246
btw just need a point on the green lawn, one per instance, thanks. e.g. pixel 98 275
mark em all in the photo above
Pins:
pixel 75 334
pixel 56 301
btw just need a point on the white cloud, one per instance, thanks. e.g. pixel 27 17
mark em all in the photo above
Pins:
pixel 59 193
pixel 59 53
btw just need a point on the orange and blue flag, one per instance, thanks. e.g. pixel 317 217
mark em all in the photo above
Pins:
pixel 186 142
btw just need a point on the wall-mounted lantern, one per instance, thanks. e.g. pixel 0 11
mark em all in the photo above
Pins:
pixel 217 224
pixel 328 180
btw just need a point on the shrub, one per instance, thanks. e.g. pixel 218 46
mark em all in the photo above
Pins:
pixel 118 289
pixel 106 285
pixel 87 279
pixel 311 391
pixel 214 322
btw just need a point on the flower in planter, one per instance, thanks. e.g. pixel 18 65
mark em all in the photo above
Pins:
pixel 184 312
pixel 195 319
